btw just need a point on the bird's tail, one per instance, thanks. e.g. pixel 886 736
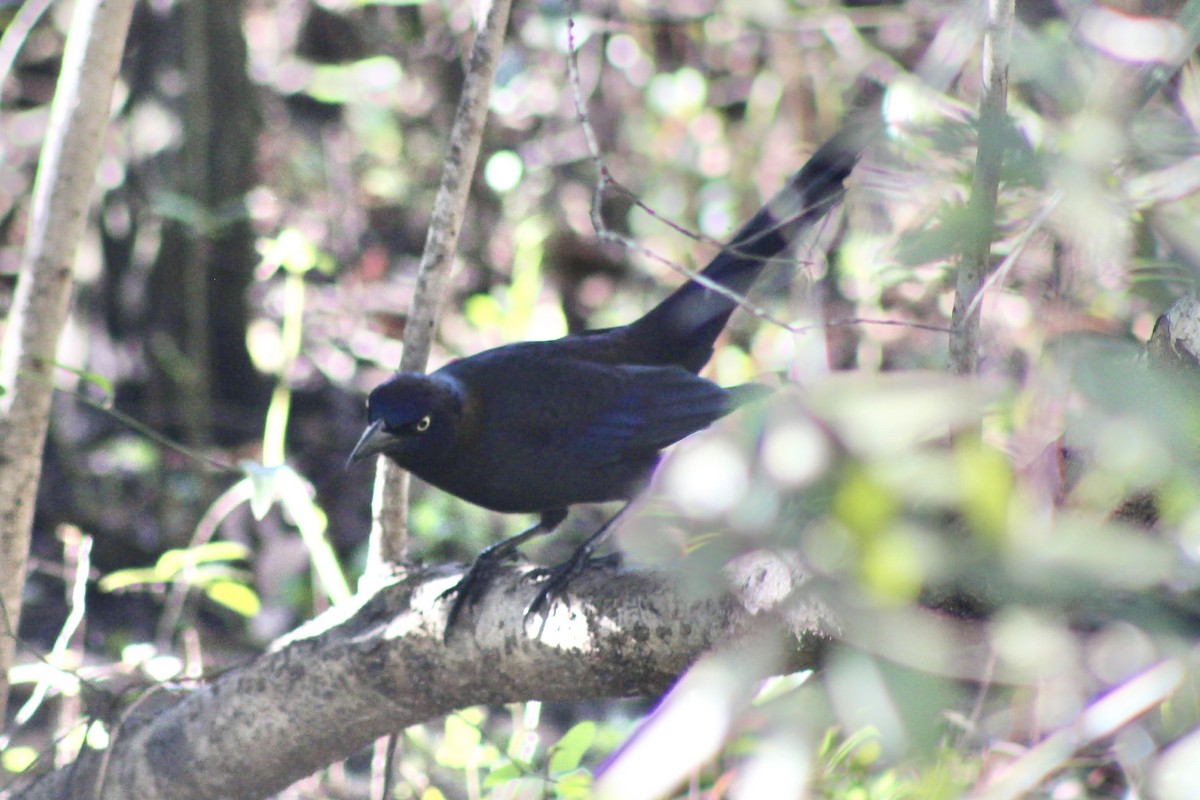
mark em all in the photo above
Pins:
pixel 686 324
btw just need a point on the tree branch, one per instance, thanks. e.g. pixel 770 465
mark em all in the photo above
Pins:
pixel 975 264
pixel 388 530
pixel 353 675
pixel 58 210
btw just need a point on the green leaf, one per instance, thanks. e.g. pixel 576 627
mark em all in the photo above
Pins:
pixel 208 574
pixel 461 739
pixel 237 597
pixel 95 378
pixel 864 505
pixel 942 241
pixel 986 478
pixel 892 565
pixel 18 759
pixel 566 754
pixel 781 685
pixel 574 786
pixel 862 746
pixel 124 578
pixel 357 81
pixel 131 454
pixel 483 311
pixel 504 773
pixel 263 487
pixel 170 564
pixel 291 250
pixel 219 551
pixel 173 563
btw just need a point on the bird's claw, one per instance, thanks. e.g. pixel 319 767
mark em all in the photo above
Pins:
pixel 473 586
pixel 468 591
pixel 555 579
pixel 553 588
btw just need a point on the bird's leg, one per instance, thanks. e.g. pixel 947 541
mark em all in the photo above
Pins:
pixel 474 583
pixel 557 578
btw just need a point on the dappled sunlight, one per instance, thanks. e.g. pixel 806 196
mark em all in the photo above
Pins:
pixel 989 582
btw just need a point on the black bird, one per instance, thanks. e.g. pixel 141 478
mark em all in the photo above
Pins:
pixel 537 427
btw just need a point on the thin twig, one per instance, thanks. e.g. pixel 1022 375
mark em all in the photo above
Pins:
pixel 607 181
pixel 77 549
pixel 17 31
pixel 389 537
pixel 389 767
pixel 975 264
pixel 206 528
pixel 1001 272
pixel 1104 717
pixel 161 440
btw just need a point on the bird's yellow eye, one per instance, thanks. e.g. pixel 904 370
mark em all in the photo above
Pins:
pixel 423 423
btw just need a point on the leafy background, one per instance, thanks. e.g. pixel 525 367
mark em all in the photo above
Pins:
pixel 261 209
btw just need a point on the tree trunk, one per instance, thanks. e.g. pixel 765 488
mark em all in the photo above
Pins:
pixel 61 195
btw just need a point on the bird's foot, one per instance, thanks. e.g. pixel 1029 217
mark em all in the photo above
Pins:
pixel 555 579
pixel 609 561
pixel 470 589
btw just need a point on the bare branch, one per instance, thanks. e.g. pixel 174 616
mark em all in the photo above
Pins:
pixel 61 193
pixel 354 675
pixel 974 267
pixel 388 508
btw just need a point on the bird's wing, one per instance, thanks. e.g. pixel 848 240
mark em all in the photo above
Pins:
pixel 656 407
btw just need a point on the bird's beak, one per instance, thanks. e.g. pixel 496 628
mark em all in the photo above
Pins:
pixel 374 440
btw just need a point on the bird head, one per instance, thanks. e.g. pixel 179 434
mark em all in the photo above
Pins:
pixel 411 419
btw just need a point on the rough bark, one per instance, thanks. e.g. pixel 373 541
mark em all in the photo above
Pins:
pixel 61 195
pixel 358 673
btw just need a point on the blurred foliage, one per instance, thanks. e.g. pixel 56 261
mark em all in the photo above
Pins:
pixel 200 567
pixel 1012 560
